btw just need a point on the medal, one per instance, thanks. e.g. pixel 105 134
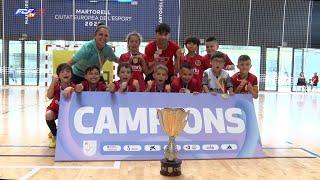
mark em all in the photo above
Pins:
pixel 135 60
pixel 187 90
pixel 225 96
pixel 182 50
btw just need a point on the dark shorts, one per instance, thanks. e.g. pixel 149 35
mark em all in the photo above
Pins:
pixel 54 106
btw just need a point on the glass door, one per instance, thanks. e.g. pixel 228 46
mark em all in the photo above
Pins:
pixel 297 67
pixel 311 65
pixel 31 63
pixel 285 69
pixel 271 76
pixel 14 63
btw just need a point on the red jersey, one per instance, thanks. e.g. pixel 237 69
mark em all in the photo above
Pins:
pixel 100 86
pixel 198 65
pixel 193 85
pixel 166 56
pixel 207 60
pixel 137 72
pixel 315 80
pixel 154 88
pixel 54 105
pixel 130 86
pixel 236 80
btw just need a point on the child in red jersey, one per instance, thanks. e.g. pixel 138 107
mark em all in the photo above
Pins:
pixel 244 81
pixel 161 51
pixel 59 82
pixel 192 44
pixel 315 79
pixel 126 82
pixel 212 45
pixel 185 83
pixel 92 82
pixel 160 76
pixel 135 58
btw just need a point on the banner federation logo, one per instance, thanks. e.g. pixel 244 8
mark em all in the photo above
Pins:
pixel 89 147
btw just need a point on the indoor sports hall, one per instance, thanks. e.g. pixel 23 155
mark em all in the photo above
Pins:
pixel 267 128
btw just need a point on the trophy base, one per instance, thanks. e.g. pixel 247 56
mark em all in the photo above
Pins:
pixel 170 168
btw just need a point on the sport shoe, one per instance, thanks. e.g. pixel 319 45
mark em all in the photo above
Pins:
pixel 52 143
pixel 50 135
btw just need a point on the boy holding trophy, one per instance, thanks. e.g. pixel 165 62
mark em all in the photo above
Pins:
pixel 215 79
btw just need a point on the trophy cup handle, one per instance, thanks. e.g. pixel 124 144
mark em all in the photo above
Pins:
pixel 186 118
pixel 159 115
pixel 187 115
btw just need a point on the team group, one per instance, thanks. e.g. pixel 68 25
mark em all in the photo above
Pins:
pixel 153 71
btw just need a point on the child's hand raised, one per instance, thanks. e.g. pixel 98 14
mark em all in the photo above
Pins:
pixel 110 87
pixel 242 84
pixel 68 91
pixel 55 79
pixel 123 86
pixel 149 85
pixel 78 88
pixel 250 87
pixel 167 88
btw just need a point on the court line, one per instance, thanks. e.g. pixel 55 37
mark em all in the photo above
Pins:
pixel 289 142
pixel 299 148
pixel 289 157
pixel 35 169
pixel 26 155
pixel 310 152
pixel 12 145
pixel 30 174
pixel 306 150
pixel 59 167
pixel 117 164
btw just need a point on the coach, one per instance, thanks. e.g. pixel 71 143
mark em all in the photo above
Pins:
pixel 94 52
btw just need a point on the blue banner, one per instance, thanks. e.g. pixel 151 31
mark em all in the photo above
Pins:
pixel 59 17
pixel 125 126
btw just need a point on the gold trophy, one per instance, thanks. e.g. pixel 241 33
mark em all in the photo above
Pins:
pixel 172 121
pixel 221 84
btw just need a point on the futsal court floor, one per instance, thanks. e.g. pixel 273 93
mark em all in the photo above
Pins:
pixel 289 126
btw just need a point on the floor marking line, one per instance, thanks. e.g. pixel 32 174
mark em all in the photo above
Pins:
pixel 27 155
pixel 12 145
pixel 306 150
pixel 117 164
pixel 57 167
pixel 30 174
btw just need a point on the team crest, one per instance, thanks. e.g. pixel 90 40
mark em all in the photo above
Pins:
pixel 197 62
pixel 89 148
